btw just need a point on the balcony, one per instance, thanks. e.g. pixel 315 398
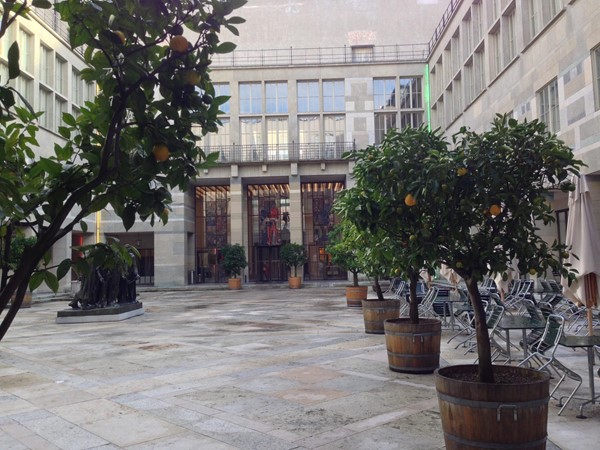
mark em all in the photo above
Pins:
pixel 269 153
pixel 322 56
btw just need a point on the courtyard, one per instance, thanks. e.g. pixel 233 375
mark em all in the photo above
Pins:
pixel 261 368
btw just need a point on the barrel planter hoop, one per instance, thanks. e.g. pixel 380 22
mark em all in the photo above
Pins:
pixel 355 295
pixel 493 415
pixel 375 312
pixel 413 348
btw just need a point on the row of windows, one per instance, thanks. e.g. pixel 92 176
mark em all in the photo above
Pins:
pixel 314 96
pixel 459 74
pixel 321 107
pixel 47 81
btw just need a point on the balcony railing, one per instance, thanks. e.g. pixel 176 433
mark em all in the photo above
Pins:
pixel 323 56
pixel 51 18
pixel 264 153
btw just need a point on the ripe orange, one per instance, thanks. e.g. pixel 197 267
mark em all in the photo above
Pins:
pixel 191 77
pixel 120 35
pixel 495 210
pixel 161 152
pixel 462 171
pixel 409 200
pixel 178 44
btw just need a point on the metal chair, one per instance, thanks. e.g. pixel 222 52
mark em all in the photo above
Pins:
pixel 543 358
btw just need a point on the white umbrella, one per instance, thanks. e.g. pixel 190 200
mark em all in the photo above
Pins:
pixel 582 236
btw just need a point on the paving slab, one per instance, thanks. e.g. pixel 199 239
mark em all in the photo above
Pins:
pixel 217 369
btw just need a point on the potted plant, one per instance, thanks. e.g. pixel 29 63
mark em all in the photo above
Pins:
pixel 344 253
pixel 233 262
pixel 293 255
pixel 490 202
pixel 383 203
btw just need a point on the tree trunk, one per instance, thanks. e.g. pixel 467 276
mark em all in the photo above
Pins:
pixel 355 279
pixel 378 290
pixel 485 372
pixel 413 312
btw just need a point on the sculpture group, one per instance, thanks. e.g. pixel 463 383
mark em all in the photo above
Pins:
pixel 109 284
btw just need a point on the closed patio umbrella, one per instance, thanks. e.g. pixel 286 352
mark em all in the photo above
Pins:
pixel 582 236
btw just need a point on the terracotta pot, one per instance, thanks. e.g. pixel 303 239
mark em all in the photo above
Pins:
pixel 493 415
pixel 413 348
pixel 295 282
pixel 355 295
pixel 234 283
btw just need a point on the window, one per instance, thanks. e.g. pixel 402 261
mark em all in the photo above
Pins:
pixel 26 51
pixel 46 107
pixel 277 97
pixel 25 88
pixel 495 53
pixel 384 93
pixel 540 13
pixel 60 76
pixel 250 98
pixel 333 96
pixel 61 108
pixel 411 119
pixel 222 90
pixel 334 130
pixel 384 122
pixel 76 88
pixel 510 37
pixel 479 72
pixel 277 138
pixel 309 130
pixel 89 92
pixel 596 72
pixel 308 96
pixel 251 134
pixel 362 54
pixel 548 106
pixel 477 22
pixel 46 57
pixel 410 93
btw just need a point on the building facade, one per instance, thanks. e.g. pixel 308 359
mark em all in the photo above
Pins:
pixel 311 80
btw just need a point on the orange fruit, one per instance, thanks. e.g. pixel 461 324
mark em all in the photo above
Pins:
pixel 178 44
pixel 120 35
pixel 161 152
pixel 495 210
pixel 462 171
pixel 191 77
pixel 409 200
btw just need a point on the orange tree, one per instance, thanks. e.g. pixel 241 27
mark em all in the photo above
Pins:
pixel 396 201
pixel 494 202
pixel 131 145
pixel 344 249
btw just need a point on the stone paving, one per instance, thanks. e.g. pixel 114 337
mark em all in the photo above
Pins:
pixel 261 368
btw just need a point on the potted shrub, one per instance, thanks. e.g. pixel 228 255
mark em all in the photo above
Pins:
pixel 490 201
pixel 344 253
pixel 293 255
pixel 233 262
pixel 383 203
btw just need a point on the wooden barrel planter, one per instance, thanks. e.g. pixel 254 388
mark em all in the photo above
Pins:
pixel 375 312
pixel 355 295
pixel 501 415
pixel 413 348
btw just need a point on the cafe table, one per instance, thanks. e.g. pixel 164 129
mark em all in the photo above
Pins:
pixel 523 323
pixel 587 342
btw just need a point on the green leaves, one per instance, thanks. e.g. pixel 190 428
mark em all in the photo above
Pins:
pixel 13 61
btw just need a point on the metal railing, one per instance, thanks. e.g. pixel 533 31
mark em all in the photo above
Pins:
pixel 264 153
pixel 51 18
pixel 441 27
pixel 323 56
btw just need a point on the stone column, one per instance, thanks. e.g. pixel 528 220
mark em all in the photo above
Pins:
pixel 296 234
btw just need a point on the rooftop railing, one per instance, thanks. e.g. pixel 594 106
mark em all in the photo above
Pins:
pixel 323 56
pixel 441 27
pixel 291 152
pixel 51 18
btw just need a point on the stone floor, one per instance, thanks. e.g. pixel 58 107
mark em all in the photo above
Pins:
pixel 215 369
